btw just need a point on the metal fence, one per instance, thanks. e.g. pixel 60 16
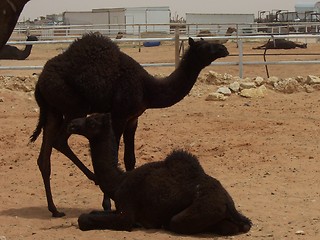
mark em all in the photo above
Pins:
pixel 179 38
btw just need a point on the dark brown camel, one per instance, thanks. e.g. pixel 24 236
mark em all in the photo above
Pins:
pixel 119 35
pixel 10 11
pixel 281 44
pixel 175 194
pixel 93 75
pixel 14 53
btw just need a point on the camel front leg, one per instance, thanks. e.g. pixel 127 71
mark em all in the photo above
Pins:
pixel 128 138
pixel 128 129
pixel 106 220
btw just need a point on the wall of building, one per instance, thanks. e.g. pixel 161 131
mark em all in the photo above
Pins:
pixel 142 15
pixel 119 17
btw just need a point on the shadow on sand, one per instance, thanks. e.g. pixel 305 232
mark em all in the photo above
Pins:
pixel 40 212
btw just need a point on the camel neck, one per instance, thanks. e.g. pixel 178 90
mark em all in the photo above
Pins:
pixel 105 163
pixel 26 52
pixel 165 92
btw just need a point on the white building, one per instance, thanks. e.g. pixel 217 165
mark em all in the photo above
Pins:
pixel 117 18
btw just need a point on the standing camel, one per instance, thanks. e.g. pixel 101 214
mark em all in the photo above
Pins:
pixel 10 11
pixel 93 75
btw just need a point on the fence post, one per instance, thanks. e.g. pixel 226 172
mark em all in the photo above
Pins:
pixel 240 47
pixel 176 46
pixel 139 32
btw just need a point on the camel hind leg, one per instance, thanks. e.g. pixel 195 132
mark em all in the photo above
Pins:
pixel 207 215
pixel 55 136
pixel 193 221
pixel 44 162
pixel 106 220
pixel 196 218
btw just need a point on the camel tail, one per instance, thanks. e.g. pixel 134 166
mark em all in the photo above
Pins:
pixel 42 115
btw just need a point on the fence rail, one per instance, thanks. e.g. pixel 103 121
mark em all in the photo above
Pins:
pixel 179 39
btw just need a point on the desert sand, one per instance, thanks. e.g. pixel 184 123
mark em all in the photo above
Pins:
pixel 265 151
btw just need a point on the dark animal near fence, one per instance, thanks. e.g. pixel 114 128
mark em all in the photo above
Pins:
pixel 175 194
pixel 281 44
pixel 207 33
pixel 93 75
pixel 14 53
pixel 9 13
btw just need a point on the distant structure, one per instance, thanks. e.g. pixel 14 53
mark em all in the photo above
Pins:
pixel 123 18
pixel 131 20
pixel 218 23
pixel 304 12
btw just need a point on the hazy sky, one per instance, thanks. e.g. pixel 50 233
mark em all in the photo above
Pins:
pixel 36 8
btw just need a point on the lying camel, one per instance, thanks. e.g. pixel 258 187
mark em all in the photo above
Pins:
pixel 175 194
pixel 281 44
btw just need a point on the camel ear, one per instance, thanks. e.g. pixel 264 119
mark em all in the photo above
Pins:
pixel 191 42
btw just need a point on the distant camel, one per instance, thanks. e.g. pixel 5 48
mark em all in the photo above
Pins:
pixel 93 75
pixel 175 194
pixel 120 35
pixel 13 53
pixel 281 44
pixel 207 33
pixel 9 13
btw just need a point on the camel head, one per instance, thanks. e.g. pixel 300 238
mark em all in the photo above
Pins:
pixel 91 126
pixel 231 30
pixel 32 38
pixel 303 45
pixel 205 52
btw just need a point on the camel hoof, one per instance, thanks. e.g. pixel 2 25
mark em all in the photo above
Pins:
pixel 246 228
pixel 58 214
pixel 94 179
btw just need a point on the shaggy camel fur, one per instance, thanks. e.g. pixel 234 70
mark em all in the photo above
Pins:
pixel 9 13
pixel 93 75
pixel 175 194
pixel 14 53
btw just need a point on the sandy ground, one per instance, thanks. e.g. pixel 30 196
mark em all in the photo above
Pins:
pixel 264 151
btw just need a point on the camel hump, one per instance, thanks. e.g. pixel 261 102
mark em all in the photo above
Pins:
pixel 183 161
pixel 94 46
